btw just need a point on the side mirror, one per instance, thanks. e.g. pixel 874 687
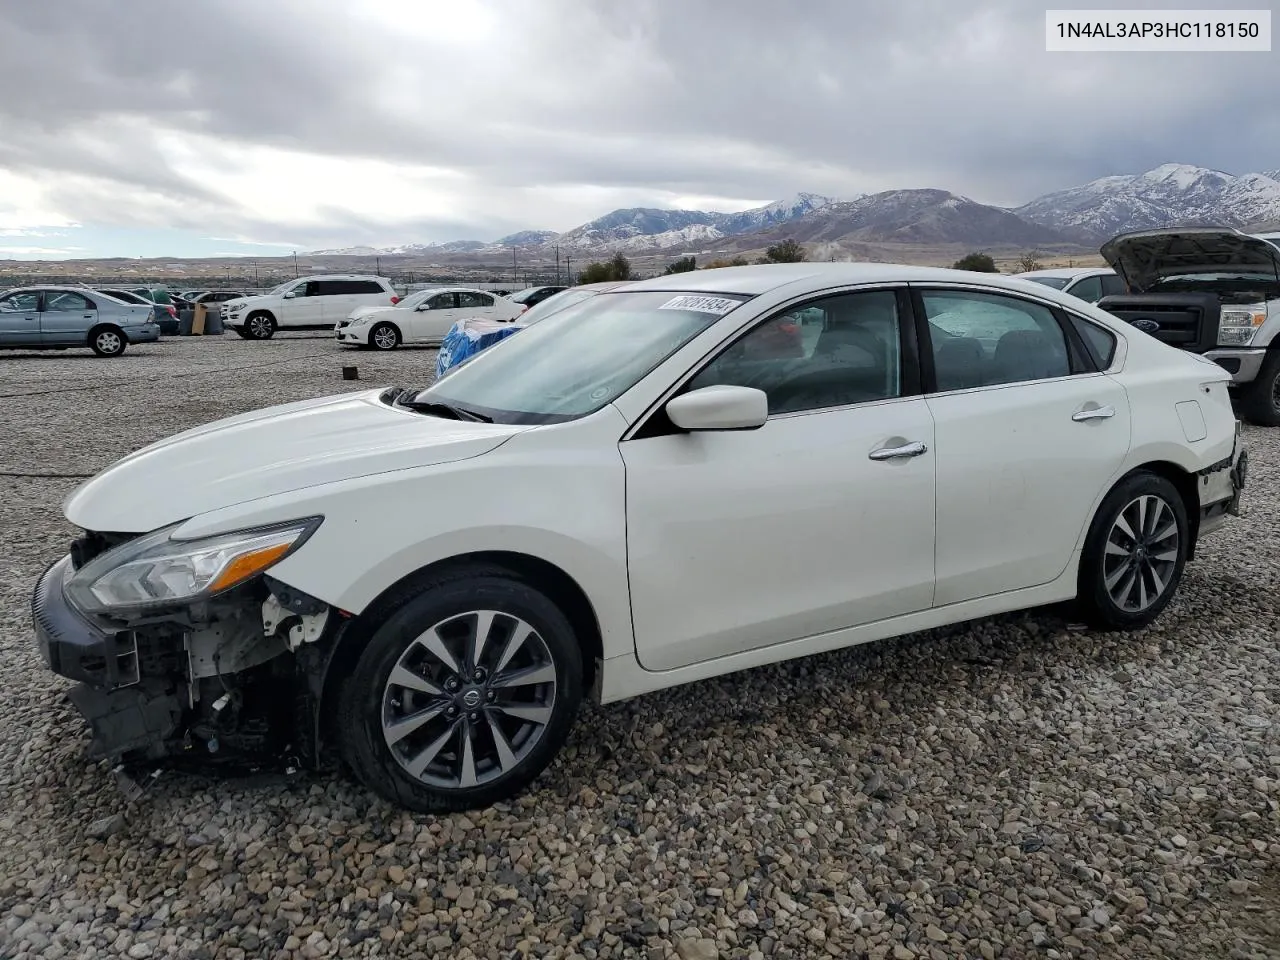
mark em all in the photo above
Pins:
pixel 722 407
pixel 423 306
pixel 290 295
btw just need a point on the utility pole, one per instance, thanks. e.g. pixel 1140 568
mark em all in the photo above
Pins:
pixel 295 263
pixel 515 278
pixel 557 264
pixel 568 274
pixel 378 269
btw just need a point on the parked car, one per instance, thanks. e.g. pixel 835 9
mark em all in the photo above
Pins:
pixel 310 303
pixel 154 294
pixel 190 295
pixel 165 315
pixel 56 318
pixel 212 298
pixel 1090 284
pixel 422 318
pixel 614 502
pixel 553 304
pixel 534 295
pixel 1213 291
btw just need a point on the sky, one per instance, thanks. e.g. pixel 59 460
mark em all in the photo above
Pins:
pixel 237 127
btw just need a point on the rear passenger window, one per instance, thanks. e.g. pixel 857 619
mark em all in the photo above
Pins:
pixel 982 340
pixel 365 286
pixel 1089 289
pixel 1113 286
pixel 1101 343
pixel 473 300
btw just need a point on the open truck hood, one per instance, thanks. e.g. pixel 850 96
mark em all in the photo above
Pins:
pixel 267 452
pixel 1144 257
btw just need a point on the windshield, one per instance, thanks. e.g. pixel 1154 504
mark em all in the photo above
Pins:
pixel 556 303
pixel 580 359
pixel 1056 282
pixel 414 299
pixel 276 291
pixel 524 295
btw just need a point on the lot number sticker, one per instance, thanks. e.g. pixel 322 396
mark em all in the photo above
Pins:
pixel 717 305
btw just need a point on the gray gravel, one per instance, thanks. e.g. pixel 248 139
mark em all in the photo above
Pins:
pixel 1012 788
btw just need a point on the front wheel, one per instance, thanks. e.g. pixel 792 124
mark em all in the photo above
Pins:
pixel 1134 554
pixel 261 326
pixel 1260 400
pixel 384 337
pixel 463 696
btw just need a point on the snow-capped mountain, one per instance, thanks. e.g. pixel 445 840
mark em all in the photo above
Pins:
pixel 913 216
pixel 1170 194
pixel 404 250
pixel 527 238
pixel 644 228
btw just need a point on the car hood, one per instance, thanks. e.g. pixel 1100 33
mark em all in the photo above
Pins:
pixel 268 452
pixel 369 310
pixel 1142 258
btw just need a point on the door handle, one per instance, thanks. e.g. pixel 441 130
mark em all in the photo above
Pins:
pixel 895 453
pixel 1094 413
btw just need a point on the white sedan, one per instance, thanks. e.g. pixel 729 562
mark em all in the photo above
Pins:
pixel 422 318
pixel 668 481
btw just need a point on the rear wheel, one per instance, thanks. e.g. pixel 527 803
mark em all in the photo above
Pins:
pixel 1134 554
pixel 464 695
pixel 1260 400
pixel 260 326
pixel 107 342
pixel 384 336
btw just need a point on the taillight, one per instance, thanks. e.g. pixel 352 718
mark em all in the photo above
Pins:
pixel 395 300
pixel 524 308
pixel 172 311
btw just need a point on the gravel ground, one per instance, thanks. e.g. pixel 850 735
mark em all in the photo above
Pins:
pixel 1012 788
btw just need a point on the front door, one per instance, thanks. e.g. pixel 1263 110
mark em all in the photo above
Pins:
pixel 20 319
pixel 433 318
pixel 305 308
pixel 1029 436
pixel 67 318
pixel 821 519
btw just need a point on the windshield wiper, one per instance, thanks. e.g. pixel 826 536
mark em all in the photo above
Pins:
pixel 457 413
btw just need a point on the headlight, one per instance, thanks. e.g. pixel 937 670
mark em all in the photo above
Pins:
pixel 1237 327
pixel 157 571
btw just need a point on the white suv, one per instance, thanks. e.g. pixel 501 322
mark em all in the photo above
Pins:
pixel 308 303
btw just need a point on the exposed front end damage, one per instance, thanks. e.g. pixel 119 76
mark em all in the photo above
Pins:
pixel 232 678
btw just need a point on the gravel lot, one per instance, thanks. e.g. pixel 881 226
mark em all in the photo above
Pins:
pixel 1012 788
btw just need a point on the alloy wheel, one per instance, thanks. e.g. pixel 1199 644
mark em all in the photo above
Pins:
pixel 260 327
pixel 469 699
pixel 108 342
pixel 1141 553
pixel 384 338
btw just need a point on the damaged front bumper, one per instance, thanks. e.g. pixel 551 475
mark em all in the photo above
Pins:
pixel 124 714
pixel 230 682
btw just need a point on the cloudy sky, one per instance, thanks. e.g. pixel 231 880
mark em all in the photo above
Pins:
pixel 149 127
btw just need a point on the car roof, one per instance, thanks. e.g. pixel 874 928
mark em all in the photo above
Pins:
pixel 1065 272
pixel 757 279
pixel 341 276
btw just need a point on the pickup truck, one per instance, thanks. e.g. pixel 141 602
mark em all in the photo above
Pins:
pixel 1211 290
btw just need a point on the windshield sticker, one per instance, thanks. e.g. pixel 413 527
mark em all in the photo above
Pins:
pixel 717 305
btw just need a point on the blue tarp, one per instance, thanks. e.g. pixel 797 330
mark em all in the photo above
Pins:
pixel 468 337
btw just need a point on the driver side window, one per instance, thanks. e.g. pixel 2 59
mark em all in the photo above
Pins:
pixel 825 353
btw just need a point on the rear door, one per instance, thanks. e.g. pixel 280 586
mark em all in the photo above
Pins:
pixel 20 319
pixel 473 303
pixel 431 319
pixel 1029 435
pixel 66 318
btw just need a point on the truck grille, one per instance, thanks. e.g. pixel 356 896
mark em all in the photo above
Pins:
pixel 1186 321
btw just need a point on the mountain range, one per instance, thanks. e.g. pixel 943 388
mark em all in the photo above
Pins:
pixel 1076 217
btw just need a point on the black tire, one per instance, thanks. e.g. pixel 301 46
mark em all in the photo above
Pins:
pixel 260 326
pixel 387 334
pixel 1260 400
pixel 107 341
pixel 1160 560
pixel 242 333
pixel 366 697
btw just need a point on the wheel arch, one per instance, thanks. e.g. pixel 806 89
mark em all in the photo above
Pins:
pixel 101 325
pixel 349 641
pixel 386 323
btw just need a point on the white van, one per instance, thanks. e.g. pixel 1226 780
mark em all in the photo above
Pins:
pixel 307 303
